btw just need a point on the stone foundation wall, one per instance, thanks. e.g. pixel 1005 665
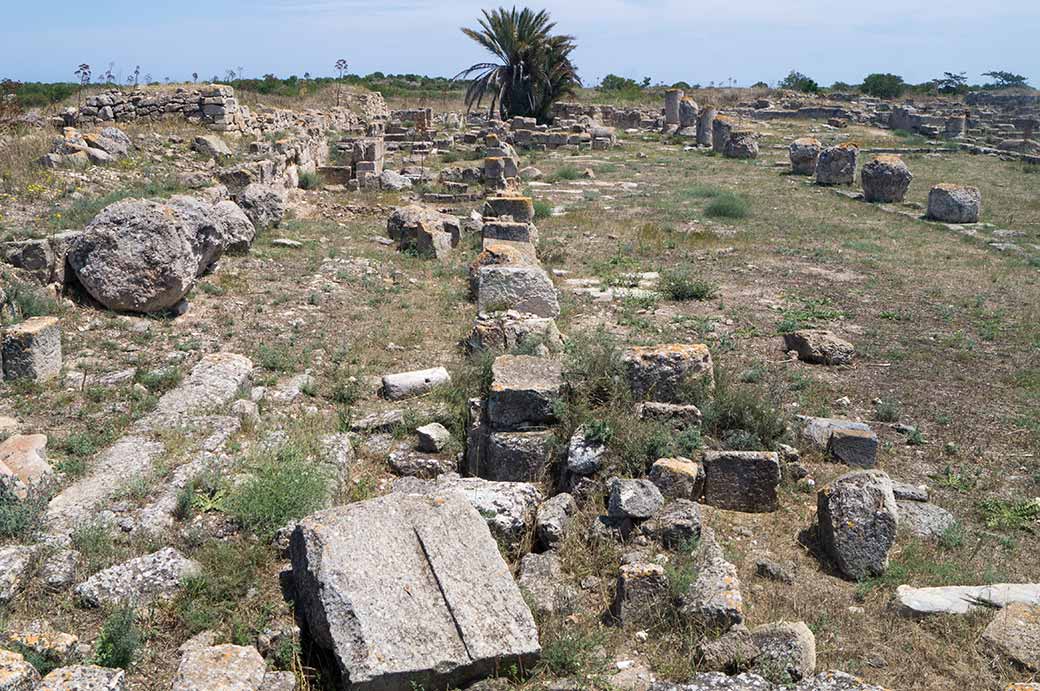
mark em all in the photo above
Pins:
pixel 216 107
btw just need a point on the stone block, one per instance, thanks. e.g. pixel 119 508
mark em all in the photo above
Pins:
pixel 32 349
pixel 742 480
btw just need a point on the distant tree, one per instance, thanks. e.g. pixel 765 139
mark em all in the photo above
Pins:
pixel 148 78
pixel 613 82
pixel 269 77
pixel 194 77
pixel 241 72
pixel 952 83
pixel 229 75
pixel 796 81
pixel 842 86
pixel 883 85
pixel 83 72
pixel 341 67
pixel 1005 80
pixel 681 85
pixel 109 77
pixel 306 76
pixel 645 83
pixel 137 73
pixel 215 79
pixel 760 85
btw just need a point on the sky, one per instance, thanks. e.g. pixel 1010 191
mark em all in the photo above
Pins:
pixel 666 40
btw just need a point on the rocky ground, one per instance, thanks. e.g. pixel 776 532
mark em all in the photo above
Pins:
pixel 185 449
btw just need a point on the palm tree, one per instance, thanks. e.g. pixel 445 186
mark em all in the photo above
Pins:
pixel 534 66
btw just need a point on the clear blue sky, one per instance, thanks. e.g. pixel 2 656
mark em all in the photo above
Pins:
pixel 667 40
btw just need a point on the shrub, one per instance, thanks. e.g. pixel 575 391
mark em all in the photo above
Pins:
pixel 20 517
pixel 309 180
pixel 214 597
pixel 888 411
pixel 680 284
pixel 728 205
pixel 883 85
pixel 571 651
pixel 565 172
pixel 22 301
pixel 284 485
pixel 119 639
pixel 799 82
pixel 739 416
pixel 542 209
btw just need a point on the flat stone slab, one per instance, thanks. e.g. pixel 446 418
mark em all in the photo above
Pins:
pixel 139 581
pixel 961 599
pixel 220 668
pixel 84 678
pixel 410 589
pixel 214 382
pixel 1014 633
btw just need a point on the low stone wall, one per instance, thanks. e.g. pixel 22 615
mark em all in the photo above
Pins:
pixel 216 107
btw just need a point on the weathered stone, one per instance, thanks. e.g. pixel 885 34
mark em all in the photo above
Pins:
pixel 34 256
pixel 954 203
pixel 733 651
pixel 858 518
pixel 211 146
pixel 238 230
pixel 923 519
pixel 713 601
pixel 60 244
pixel 84 678
pixel 507 331
pixel 640 595
pixel 819 346
pixel 679 416
pixel 58 571
pixel 786 651
pixel 433 438
pixel 678 478
pixel 15 673
pixel 804 153
pixel 742 480
pixel 524 391
pixel 139 581
pixel 520 209
pixel 424 230
pixel 409 589
pixel 837 165
pixel 960 599
pixel 43 639
pixel 526 289
pixel 885 179
pixel 409 384
pixel 508 508
pixel 15 565
pixel 263 204
pixel 677 525
pixel 553 519
pixel 409 463
pixel 637 499
pixel 741 144
pixel 135 256
pixel 542 580
pixel 662 373
pixel 585 456
pixel 32 349
pixel 516 456
pixel 1014 633
pixel 220 668
pixel 509 231
pixel 394 181
pixel 852 443
pixel 278 681
pixel 23 463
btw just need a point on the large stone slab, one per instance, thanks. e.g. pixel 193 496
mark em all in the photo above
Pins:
pixel 214 382
pixel 220 668
pixel 84 678
pixel 858 517
pixel 524 391
pixel 961 599
pixel 410 589
pixel 662 373
pixel 138 581
pixel 526 289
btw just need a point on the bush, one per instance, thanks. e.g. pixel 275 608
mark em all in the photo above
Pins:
pixel 214 597
pixel 727 205
pixel 799 82
pixel 19 517
pixel 284 485
pixel 119 639
pixel 883 85
pixel 22 301
pixel 738 416
pixel 565 172
pixel 679 284
pixel 542 209
pixel 309 180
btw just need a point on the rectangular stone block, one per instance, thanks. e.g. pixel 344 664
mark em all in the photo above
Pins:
pixel 516 456
pixel 742 480
pixel 525 289
pixel 32 349
pixel 524 392
pixel 409 590
pixel 511 231
pixel 663 372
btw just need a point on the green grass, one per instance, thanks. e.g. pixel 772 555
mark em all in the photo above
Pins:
pixel 309 180
pixel 120 639
pixel 680 284
pixel 22 301
pixel 95 544
pixel 728 205
pixel 20 518
pixel 542 209
pixel 213 599
pixel 565 172
pixel 808 313
pixel 1004 514
pixel 740 416
pixel 284 485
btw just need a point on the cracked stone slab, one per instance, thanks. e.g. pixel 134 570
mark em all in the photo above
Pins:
pixel 138 581
pixel 410 588
pixel 961 599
